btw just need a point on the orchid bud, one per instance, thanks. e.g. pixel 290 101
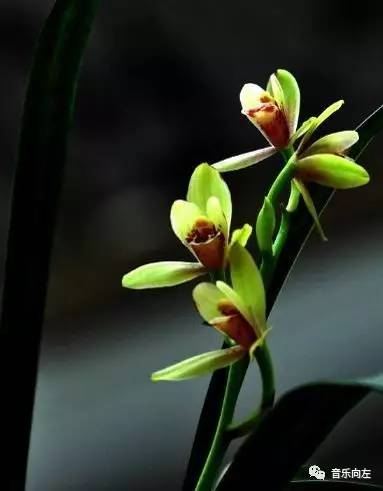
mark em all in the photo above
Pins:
pixel 265 227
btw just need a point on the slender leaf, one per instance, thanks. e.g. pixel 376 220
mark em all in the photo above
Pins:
pixel 47 119
pixel 291 431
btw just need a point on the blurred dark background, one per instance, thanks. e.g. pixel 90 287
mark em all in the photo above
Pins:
pixel 159 94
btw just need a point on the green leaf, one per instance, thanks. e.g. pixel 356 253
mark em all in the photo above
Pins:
pixel 332 171
pixel 297 424
pixel 161 274
pixel 206 297
pixel 310 206
pixel 336 143
pixel 183 215
pixel 42 153
pixel 200 364
pixel 241 235
pixel 292 98
pixel 244 160
pixel 206 182
pixel 247 283
pixel 265 227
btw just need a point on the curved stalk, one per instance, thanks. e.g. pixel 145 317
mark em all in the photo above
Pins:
pixel 221 440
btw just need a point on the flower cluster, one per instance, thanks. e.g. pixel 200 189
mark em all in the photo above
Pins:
pixel 202 222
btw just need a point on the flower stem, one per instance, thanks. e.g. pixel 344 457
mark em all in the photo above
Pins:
pixel 265 363
pixel 224 431
pixel 221 440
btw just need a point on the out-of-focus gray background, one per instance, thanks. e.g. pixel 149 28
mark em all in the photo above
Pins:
pixel 158 94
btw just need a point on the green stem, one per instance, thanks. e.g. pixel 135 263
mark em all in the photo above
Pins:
pixel 221 441
pixel 265 363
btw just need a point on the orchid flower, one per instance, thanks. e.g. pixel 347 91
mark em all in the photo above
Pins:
pixel 274 112
pixel 237 312
pixel 325 162
pixel 202 223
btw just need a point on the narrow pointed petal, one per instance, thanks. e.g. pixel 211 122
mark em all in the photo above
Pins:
pixel 206 297
pixel 265 227
pixel 161 274
pixel 247 282
pixel 215 214
pixel 318 121
pixel 310 207
pixel 303 129
pixel 206 182
pixel 336 143
pixel 200 364
pixel 182 217
pixel 244 160
pixel 291 96
pixel 258 342
pixel 241 235
pixel 332 171
pixel 238 302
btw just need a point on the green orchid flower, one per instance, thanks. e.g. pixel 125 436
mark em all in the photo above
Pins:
pixel 325 162
pixel 202 223
pixel 237 312
pixel 274 112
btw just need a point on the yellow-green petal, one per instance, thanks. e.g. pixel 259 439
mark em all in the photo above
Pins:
pixel 310 207
pixel 183 216
pixel 206 182
pixel 332 171
pixel 277 91
pixel 200 365
pixel 336 143
pixel 319 120
pixel 248 284
pixel 206 297
pixel 244 160
pixel 291 96
pixel 161 274
pixel 303 129
pixel 293 202
pixel 241 235
pixel 215 214
pixel 235 299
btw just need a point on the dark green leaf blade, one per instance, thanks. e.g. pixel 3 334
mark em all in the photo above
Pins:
pixel 291 432
pixel 47 119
